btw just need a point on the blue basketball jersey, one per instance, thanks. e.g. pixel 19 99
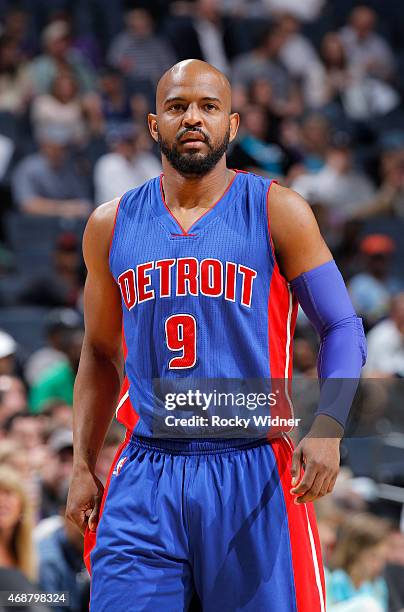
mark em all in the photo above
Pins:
pixel 208 303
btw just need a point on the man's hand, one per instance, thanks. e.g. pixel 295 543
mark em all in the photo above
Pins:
pixel 84 499
pixel 320 457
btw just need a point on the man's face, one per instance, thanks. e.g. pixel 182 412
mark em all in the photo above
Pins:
pixel 26 431
pixel 363 21
pixel 55 153
pixel 193 124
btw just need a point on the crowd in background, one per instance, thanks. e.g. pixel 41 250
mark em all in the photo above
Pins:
pixel 319 88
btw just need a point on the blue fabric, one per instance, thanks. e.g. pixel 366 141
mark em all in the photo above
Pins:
pixel 176 522
pixel 324 298
pixel 232 338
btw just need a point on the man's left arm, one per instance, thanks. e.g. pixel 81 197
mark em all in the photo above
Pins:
pixel 307 264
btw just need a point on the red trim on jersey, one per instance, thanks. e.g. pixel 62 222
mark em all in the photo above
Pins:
pixel 90 537
pixel 186 233
pixel 128 417
pixel 282 314
pixel 113 227
pixel 126 414
pixel 309 583
pixel 278 310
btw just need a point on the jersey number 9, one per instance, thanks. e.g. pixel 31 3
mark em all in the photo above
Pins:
pixel 180 332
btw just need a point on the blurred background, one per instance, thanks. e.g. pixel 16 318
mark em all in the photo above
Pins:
pixel 319 86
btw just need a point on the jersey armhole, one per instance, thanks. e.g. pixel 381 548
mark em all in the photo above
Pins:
pixel 271 243
pixel 111 240
pixel 267 195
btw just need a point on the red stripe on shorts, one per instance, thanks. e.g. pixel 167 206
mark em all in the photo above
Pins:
pixel 304 541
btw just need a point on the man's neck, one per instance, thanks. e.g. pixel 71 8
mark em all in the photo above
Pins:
pixel 195 191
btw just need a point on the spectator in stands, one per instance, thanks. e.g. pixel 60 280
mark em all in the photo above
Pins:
pixel 311 143
pixel 59 57
pixel 304 357
pixel 17 457
pixel 263 62
pixel 252 151
pixel 390 197
pixel 62 283
pixel 337 76
pixel 300 58
pixel 61 108
pixel 18 26
pixel 114 99
pixel 386 343
pixel 316 140
pixel 372 289
pixel 394 570
pixel 13 397
pixel 308 10
pixel 57 381
pixel 126 163
pixel 59 324
pixel 367 51
pixel 56 472
pixel 27 431
pixel 15 85
pixel 202 36
pixel 16 549
pixel 358 563
pixel 338 184
pixel 48 182
pixel 61 566
pixel 59 414
pixel 371 65
pixel 137 51
pixel 8 348
pixel 329 518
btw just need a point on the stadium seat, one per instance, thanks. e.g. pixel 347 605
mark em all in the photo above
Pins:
pixel 32 238
pixel 25 324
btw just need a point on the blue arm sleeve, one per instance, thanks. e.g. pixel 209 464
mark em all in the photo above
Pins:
pixel 324 298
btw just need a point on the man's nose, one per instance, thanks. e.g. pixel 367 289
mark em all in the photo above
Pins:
pixel 192 116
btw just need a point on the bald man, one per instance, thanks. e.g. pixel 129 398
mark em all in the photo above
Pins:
pixel 204 267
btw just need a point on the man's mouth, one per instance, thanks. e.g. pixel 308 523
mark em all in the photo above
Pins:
pixel 192 137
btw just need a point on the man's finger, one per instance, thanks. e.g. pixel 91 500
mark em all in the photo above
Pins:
pixel 325 487
pixel 307 480
pixel 93 518
pixel 332 483
pixel 78 518
pixel 314 491
pixel 296 466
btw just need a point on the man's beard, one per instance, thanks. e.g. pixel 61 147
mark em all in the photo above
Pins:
pixel 194 163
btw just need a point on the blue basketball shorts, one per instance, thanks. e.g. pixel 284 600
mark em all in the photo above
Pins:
pixel 208 519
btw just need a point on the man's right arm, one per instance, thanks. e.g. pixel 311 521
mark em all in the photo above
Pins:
pixel 100 371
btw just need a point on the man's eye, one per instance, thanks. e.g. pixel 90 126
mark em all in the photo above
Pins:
pixel 210 107
pixel 176 107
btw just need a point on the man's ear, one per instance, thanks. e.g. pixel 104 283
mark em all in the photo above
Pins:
pixel 234 124
pixel 152 123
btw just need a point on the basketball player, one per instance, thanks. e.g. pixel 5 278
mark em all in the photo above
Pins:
pixel 205 265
